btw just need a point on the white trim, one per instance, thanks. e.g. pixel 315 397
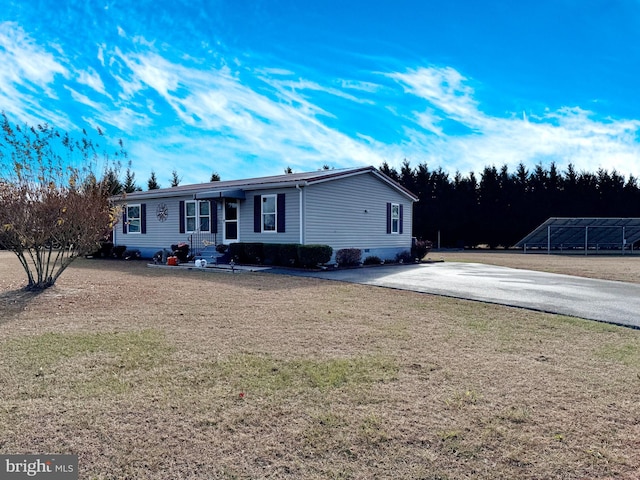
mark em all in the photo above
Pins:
pixel 274 213
pixel 196 217
pixel 200 216
pixel 301 215
pixel 396 207
pixel 139 218
pixel 225 240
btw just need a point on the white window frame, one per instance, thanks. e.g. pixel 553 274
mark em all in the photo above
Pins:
pixel 263 214
pixel 395 218
pixel 196 218
pixel 201 216
pixel 131 218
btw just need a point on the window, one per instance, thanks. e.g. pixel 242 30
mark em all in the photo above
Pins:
pixel 198 216
pixel 134 219
pixel 190 216
pixel 205 216
pixel 268 213
pixel 395 218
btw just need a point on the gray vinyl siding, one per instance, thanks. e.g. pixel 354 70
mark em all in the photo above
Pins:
pixel 348 212
pixel 292 218
pixel 159 234
pixel 352 213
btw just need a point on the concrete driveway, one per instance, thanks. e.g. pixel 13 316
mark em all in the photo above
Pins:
pixel 602 300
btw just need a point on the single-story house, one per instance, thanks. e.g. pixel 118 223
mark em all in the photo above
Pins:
pixel 344 208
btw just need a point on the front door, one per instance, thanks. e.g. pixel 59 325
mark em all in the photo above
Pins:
pixel 230 220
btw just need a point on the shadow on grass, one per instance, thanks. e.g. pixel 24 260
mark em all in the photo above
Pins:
pixel 13 302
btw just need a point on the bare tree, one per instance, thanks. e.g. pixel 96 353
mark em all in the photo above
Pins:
pixel 53 208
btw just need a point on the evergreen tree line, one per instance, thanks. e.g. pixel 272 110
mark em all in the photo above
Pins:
pixel 500 207
pixel 129 184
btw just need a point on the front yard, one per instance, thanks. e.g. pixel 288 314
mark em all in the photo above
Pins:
pixel 165 374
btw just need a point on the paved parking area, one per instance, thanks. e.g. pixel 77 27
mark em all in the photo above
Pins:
pixel 602 300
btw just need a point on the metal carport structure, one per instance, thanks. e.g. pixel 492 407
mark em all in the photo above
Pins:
pixel 583 234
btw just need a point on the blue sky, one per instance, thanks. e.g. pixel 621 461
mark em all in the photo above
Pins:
pixel 247 88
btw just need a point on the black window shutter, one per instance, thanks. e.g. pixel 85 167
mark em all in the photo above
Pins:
pixel 124 220
pixel 143 218
pixel 181 217
pixel 213 208
pixel 388 217
pixel 401 215
pixel 257 213
pixel 281 213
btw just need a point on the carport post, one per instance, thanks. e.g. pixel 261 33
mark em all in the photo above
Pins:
pixel 586 240
pixel 548 239
pixel 624 240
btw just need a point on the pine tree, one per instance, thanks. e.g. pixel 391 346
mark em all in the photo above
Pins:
pixel 129 185
pixel 153 184
pixel 111 180
pixel 175 179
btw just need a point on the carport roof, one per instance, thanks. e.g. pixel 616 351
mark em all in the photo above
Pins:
pixel 574 232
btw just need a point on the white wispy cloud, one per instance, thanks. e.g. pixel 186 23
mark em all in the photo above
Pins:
pixel 242 118
pixel 28 72
pixel 81 98
pixel 567 135
pixel 278 123
pixel 92 79
pixel 445 89
pixel 100 55
pixel 124 119
pixel 278 118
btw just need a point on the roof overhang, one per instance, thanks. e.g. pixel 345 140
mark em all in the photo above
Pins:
pixel 237 194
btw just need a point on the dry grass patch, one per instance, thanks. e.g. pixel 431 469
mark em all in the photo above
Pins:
pixel 148 373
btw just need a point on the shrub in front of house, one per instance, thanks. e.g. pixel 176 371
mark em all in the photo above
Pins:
pixel 271 253
pixel 236 251
pixel 118 251
pixel 253 253
pixel 246 252
pixel 420 248
pixel 372 260
pixel 282 254
pixel 313 255
pixel 133 254
pixel 348 257
pixel 288 255
pixel 106 249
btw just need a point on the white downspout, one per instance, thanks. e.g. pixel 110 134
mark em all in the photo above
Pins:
pixel 301 216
